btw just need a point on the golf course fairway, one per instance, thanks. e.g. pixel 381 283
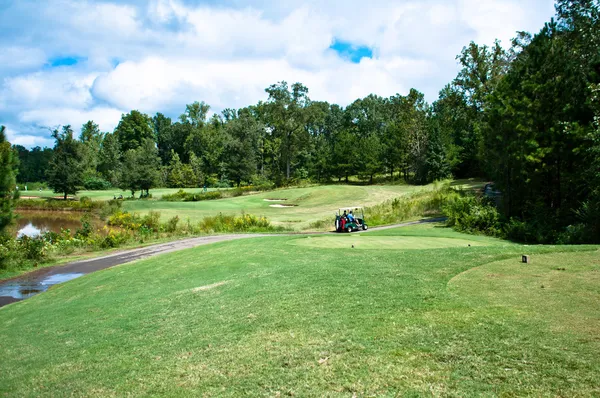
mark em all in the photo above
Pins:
pixel 277 316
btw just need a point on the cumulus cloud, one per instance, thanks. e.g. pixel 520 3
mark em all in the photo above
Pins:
pixel 161 54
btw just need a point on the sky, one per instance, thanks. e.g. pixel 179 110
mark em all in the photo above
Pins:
pixel 69 61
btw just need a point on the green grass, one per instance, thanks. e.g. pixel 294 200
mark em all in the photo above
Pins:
pixel 270 317
pixel 313 203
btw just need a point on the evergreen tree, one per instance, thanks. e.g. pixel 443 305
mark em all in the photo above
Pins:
pixel 436 163
pixel 8 171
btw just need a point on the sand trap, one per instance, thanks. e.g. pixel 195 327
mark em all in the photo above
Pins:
pixel 282 206
pixel 208 287
pixel 274 200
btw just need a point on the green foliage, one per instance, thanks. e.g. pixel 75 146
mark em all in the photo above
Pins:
pixel 182 196
pixel 245 223
pixel 472 214
pixel 8 170
pixel 95 183
pixel 540 123
pixel 133 129
pixel 140 168
pixel 425 203
pixel 109 159
pixel 57 204
pixel 65 171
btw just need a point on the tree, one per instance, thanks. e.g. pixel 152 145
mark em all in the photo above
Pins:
pixel 109 159
pixel 539 122
pixel 208 143
pixel 91 140
pixel 365 119
pixel 436 163
pixel 195 114
pixel 181 175
pixel 133 129
pixel 241 149
pixel 33 163
pixel 8 172
pixel 65 172
pixel 163 132
pixel 140 168
pixel 286 115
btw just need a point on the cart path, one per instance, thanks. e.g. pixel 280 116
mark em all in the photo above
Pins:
pixel 40 280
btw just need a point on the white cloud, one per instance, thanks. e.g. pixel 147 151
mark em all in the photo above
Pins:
pixel 49 118
pixel 170 53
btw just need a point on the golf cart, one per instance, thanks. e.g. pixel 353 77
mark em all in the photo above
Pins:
pixel 343 223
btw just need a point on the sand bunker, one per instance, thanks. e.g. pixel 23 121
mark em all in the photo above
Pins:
pixel 282 206
pixel 274 200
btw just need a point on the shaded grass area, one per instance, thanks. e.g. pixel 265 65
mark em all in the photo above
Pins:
pixel 266 317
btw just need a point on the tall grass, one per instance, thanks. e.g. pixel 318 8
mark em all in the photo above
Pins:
pixel 425 203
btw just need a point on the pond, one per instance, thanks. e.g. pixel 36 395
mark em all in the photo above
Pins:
pixel 35 223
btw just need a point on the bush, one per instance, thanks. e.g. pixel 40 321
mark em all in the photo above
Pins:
pixel 96 184
pixel 171 225
pixel 58 204
pixel 32 248
pixel 471 214
pixel 244 223
pixel 182 196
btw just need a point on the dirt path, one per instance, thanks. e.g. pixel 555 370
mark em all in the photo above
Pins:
pixel 40 280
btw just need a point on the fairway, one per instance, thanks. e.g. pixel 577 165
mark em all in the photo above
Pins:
pixel 273 316
pixel 311 204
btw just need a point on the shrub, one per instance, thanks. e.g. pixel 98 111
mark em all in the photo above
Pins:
pixel 86 227
pixel 114 239
pixel 243 223
pixel 96 184
pixel 182 196
pixel 58 204
pixel 32 248
pixel 469 213
pixel 171 225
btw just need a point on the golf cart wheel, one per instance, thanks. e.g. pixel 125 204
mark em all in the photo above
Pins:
pixel 349 229
pixel 365 227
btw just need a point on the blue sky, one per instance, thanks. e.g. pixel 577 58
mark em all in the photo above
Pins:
pixel 69 61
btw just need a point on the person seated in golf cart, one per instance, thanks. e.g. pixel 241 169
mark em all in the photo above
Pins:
pixel 351 217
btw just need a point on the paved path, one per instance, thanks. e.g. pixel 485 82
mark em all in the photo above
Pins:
pixel 40 278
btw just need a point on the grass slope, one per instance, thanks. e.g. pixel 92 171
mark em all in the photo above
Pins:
pixel 268 316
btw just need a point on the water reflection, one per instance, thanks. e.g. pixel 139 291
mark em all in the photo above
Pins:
pixel 25 289
pixel 32 224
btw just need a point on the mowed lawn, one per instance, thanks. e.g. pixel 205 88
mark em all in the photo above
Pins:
pixel 312 316
pixel 311 204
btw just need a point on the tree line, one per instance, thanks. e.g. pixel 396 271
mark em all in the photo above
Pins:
pixel 285 138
